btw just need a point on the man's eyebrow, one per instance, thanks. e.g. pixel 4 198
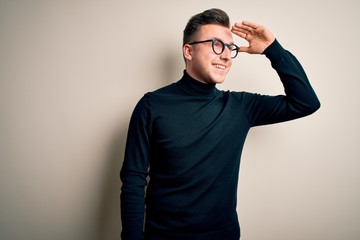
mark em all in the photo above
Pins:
pixel 215 38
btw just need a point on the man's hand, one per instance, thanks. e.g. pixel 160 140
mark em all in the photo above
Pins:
pixel 258 36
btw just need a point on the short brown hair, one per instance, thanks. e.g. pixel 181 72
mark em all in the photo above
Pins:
pixel 211 16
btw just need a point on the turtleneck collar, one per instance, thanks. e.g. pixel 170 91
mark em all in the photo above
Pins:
pixel 195 87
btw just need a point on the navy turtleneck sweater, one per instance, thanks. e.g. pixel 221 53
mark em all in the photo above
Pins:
pixel 188 136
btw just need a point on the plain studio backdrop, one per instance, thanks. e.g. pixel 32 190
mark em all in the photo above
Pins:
pixel 71 73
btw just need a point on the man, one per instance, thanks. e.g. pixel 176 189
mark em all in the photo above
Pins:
pixel 188 136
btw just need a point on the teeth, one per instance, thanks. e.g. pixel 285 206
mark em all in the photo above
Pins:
pixel 220 66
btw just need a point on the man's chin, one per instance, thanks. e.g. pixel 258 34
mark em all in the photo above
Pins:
pixel 219 80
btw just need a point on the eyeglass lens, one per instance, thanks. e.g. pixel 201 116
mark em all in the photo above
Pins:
pixel 219 47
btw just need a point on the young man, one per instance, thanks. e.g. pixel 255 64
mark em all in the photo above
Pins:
pixel 188 136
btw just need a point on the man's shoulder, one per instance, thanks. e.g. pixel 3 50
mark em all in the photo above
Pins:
pixel 167 89
pixel 159 95
pixel 164 92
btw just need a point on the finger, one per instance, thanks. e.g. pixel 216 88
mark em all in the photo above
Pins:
pixel 240 29
pixel 241 35
pixel 246 25
pixel 244 49
pixel 250 25
pixel 240 32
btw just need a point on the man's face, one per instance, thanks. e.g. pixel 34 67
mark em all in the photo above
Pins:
pixel 202 63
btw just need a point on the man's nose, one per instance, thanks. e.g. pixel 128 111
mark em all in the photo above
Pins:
pixel 226 54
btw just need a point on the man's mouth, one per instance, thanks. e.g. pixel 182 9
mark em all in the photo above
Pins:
pixel 222 67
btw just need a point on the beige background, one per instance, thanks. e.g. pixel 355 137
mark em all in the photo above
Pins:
pixel 72 71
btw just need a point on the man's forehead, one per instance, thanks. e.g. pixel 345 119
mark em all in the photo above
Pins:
pixel 215 31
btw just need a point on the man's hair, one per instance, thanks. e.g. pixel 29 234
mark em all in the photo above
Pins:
pixel 211 16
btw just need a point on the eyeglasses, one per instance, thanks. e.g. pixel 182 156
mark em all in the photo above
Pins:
pixel 218 47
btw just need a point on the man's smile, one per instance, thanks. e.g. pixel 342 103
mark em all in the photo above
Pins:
pixel 219 66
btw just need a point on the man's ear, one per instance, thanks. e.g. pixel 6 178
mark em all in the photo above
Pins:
pixel 187 52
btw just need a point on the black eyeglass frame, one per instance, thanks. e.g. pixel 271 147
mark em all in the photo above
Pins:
pixel 223 46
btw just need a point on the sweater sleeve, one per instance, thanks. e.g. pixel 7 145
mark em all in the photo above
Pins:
pixel 133 175
pixel 299 100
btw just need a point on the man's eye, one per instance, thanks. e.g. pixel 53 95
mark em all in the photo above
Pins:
pixel 217 44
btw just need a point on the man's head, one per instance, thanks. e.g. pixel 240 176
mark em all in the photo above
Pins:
pixel 203 61
pixel 211 16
